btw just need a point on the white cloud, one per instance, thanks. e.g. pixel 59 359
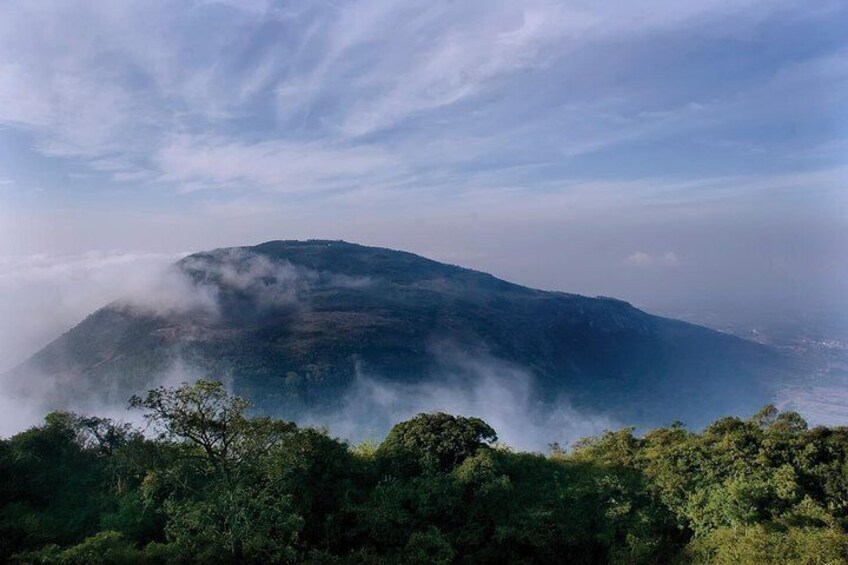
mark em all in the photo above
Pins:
pixel 196 163
pixel 457 61
pixel 670 258
pixel 42 295
pixel 641 259
pixel 268 281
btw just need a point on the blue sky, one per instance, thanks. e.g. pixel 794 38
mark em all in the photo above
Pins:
pixel 167 105
pixel 654 150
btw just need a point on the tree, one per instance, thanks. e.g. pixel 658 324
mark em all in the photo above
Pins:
pixel 434 443
pixel 220 495
pixel 204 415
pixel 219 485
pixel 54 488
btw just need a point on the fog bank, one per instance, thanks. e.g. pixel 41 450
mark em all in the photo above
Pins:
pixel 486 388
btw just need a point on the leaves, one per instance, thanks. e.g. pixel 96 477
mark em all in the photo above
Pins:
pixel 219 485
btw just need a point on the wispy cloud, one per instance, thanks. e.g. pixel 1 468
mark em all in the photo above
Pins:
pixel 201 162
pixel 325 97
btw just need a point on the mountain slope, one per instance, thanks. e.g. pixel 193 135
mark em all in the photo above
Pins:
pixel 292 323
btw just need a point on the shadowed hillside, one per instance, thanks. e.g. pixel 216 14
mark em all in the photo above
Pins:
pixel 291 324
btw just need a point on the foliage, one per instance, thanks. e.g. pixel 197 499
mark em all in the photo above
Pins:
pixel 434 443
pixel 763 545
pixel 219 485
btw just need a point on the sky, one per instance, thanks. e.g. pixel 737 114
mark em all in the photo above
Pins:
pixel 680 155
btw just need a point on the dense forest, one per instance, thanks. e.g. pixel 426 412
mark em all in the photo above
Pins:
pixel 208 482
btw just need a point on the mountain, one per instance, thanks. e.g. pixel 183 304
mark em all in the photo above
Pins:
pixel 292 324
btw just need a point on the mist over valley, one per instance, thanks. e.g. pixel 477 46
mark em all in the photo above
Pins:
pixel 355 338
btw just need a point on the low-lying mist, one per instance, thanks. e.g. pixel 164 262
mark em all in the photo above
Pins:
pixel 23 405
pixel 468 385
pixel 502 395
pixel 42 296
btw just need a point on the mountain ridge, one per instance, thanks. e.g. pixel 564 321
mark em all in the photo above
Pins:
pixel 293 323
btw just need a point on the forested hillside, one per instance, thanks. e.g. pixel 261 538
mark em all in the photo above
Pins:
pixel 209 483
pixel 294 324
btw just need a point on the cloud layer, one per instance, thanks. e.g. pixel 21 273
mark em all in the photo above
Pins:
pixel 315 97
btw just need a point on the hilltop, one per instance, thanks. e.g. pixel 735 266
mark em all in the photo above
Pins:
pixel 292 323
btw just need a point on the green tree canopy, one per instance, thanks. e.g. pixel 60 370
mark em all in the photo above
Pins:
pixel 434 443
pixel 217 484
